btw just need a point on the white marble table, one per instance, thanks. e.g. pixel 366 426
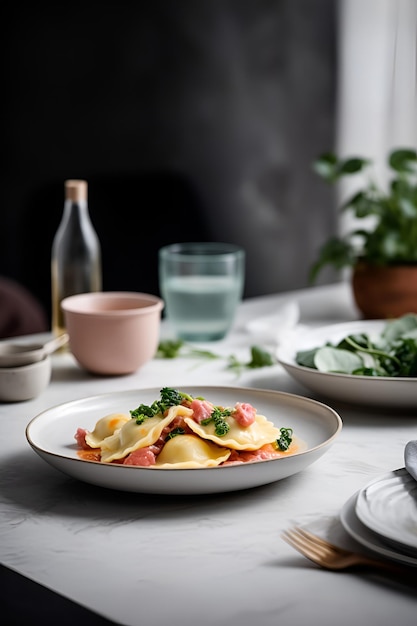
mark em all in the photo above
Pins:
pixel 198 561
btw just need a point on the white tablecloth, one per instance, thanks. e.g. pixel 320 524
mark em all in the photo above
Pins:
pixel 201 560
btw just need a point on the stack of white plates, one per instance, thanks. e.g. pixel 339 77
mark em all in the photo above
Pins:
pixel 382 516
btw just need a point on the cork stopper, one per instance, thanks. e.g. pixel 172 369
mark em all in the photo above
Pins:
pixel 76 190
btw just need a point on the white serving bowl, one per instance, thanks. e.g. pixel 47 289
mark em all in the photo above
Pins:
pixel 378 391
pixel 24 382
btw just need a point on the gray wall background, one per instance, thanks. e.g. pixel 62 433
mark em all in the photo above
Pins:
pixel 203 116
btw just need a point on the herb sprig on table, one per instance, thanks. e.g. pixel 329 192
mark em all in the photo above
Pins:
pixel 259 358
pixel 173 348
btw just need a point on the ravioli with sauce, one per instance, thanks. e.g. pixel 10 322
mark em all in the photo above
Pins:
pixel 251 437
pixel 133 436
pixel 179 431
pixel 188 451
pixel 105 427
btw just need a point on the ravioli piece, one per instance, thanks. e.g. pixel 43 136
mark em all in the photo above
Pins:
pixel 133 436
pixel 105 427
pixel 250 437
pixel 189 451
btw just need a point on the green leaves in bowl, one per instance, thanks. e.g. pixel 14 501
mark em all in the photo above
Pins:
pixel 393 353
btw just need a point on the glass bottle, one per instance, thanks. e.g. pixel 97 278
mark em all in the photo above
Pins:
pixel 76 252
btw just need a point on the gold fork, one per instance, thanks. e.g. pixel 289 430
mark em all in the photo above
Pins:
pixel 331 557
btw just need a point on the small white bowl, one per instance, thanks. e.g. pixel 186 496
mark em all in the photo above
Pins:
pixel 24 382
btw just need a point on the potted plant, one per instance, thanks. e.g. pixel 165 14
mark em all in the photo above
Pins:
pixel 382 255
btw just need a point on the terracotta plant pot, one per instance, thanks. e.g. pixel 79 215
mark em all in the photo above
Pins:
pixel 385 292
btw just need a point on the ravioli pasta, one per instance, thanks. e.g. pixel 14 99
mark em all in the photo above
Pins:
pixel 191 451
pixel 132 436
pixel 106 426
pixel 253 437
pixel 181 432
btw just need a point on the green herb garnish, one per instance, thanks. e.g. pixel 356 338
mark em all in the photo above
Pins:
pixel 284 442
pixel 174 432
pixel 221 427
pixel 169 397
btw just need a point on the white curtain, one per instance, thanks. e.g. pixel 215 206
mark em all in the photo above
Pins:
pixel 377 88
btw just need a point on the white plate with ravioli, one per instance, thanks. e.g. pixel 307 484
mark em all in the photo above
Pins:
pixel 384 391
pixel 315 427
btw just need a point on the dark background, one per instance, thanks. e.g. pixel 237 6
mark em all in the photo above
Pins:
pixel 190 120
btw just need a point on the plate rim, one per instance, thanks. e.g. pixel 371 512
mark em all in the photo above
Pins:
pixel 371 542
pixel 377 529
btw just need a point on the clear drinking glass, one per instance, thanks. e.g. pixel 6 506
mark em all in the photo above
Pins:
pixel 201 284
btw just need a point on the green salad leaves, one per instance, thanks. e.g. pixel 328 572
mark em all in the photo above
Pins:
pixel 393 353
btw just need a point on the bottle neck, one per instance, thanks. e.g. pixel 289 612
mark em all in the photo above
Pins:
pixel 75 211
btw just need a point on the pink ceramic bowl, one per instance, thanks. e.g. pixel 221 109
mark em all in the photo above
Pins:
pixel 113 332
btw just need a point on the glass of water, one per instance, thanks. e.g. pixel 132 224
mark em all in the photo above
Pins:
pixel 201 284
